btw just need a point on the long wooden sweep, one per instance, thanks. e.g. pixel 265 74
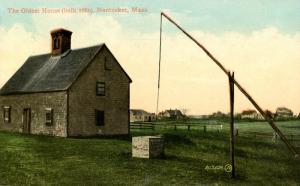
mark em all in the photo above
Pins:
pixel 266 115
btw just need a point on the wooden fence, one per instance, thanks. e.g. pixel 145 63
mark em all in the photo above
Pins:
pixel 142 126
pixel 212 127
pixel 290 137
pixel 174 125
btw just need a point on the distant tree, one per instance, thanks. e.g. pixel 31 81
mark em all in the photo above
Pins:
pixel 238 116
pixel 218 115
pixel 270 114
pixel 184 111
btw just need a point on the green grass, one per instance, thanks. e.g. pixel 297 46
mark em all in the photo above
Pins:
pixel 42 160
pixel 288 127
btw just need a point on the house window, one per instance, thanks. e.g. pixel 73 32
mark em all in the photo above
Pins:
pixel 6 113
pixel 49 116
pixel 100 89
pixel 107 64
pixel 56 43
pixel 99 116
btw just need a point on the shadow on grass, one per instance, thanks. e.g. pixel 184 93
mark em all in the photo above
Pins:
pixel 115 137
pixel 292 127
pixel 177 139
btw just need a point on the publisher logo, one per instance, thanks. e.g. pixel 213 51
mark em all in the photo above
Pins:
pixel 228 168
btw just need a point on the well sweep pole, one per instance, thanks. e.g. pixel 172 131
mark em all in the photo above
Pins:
pixel 266 116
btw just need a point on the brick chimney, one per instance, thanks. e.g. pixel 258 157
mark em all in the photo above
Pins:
pixel 60 41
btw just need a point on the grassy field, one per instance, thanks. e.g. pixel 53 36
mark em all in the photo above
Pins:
pixel 192 158
pixel 287 127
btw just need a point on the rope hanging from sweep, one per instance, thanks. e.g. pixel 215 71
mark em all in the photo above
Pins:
pixel 159 62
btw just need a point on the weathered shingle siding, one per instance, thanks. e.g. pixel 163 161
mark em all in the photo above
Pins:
pixel 83 99
pixel 37 102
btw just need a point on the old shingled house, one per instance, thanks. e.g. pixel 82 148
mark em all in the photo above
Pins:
pixel 283 113
pixel 171 114
pixel 251 114
pixel 80 92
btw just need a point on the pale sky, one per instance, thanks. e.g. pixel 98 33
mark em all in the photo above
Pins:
pixel 259 40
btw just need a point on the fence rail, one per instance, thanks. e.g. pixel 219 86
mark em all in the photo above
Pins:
pixel 141 126
pixel 174 125
pixel 292 137
pixel 205 127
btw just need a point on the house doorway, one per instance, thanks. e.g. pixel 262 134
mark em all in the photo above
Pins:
pixel 26 120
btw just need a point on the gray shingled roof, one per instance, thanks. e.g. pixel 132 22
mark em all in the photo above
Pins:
pixel 44 73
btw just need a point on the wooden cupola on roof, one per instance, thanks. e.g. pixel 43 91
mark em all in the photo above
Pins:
pixel 60 41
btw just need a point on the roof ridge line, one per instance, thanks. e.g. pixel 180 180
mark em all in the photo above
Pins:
pixel 91 46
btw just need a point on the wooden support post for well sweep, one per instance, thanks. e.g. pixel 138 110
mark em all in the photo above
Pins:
pixel 232 136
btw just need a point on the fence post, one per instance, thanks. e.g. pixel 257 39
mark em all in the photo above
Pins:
pixel 275 137
pixel 236 132
pixel 175 128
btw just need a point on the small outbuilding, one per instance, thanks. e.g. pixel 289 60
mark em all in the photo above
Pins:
pixel 141 115
pixel 80 92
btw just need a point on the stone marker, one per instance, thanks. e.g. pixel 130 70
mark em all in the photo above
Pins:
pixel 147 146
